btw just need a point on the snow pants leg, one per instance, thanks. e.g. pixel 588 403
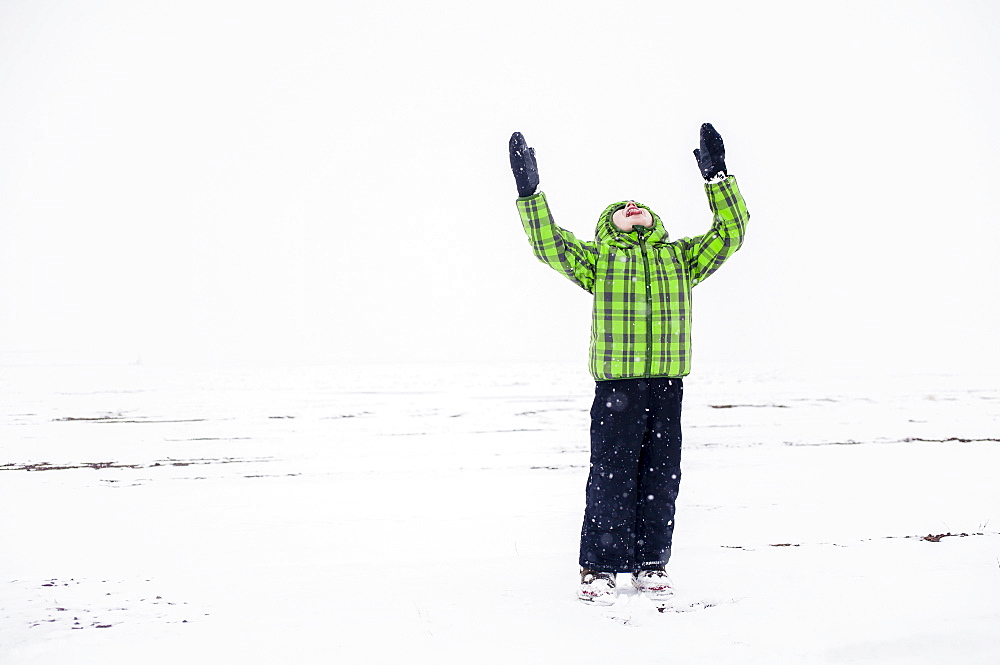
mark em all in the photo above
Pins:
pixel 635 474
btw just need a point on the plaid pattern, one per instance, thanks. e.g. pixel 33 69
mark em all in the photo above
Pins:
pixel 640 280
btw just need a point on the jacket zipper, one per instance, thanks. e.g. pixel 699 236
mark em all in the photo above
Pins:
pixel 649 306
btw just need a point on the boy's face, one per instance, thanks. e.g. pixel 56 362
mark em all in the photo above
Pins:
pixel 631 215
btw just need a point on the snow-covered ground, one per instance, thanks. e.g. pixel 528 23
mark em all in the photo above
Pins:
pixel 431 514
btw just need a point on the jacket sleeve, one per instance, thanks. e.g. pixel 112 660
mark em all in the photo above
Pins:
pixel 705 253
pixel 559 248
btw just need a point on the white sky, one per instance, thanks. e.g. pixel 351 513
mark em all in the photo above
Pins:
pixel 328 181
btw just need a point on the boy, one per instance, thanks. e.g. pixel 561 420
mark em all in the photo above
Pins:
pixel 639 353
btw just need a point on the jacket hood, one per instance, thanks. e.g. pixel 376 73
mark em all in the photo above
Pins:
pixel 607 232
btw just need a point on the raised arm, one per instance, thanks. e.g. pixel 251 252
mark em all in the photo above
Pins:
pixel 705 253
pixel 553 245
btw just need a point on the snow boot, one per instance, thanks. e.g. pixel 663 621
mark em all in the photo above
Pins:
pixel 596 588
pixel 654 583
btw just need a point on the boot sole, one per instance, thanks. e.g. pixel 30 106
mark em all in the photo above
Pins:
pixel 602 600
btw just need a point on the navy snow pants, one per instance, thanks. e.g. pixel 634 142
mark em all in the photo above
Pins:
pixel 635 473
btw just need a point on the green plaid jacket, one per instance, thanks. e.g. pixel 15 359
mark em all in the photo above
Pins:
pixel 640 280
